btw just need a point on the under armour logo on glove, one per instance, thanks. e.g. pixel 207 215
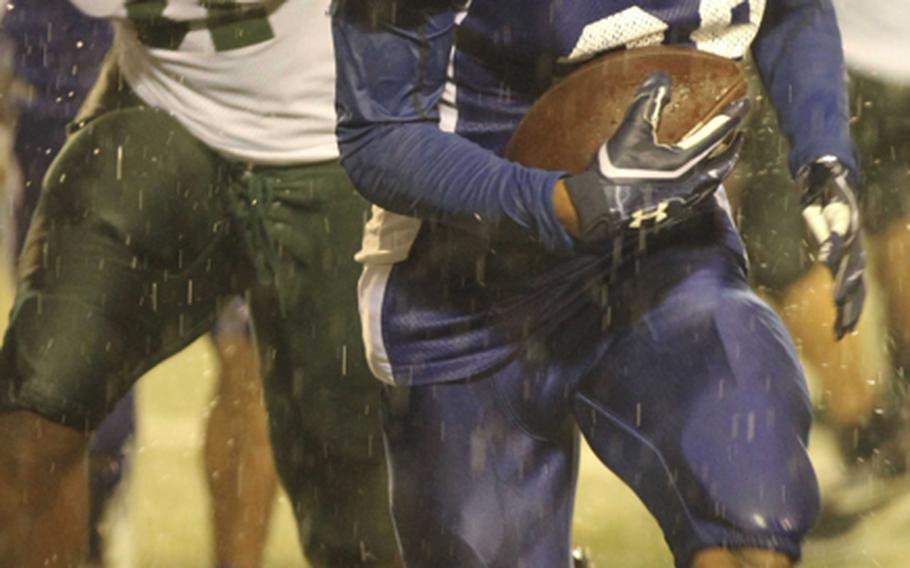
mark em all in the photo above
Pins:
pixel 831 209
pixel 659 215
pixel 635 182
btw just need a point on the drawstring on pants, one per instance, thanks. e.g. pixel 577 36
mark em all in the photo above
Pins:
pixel 256 193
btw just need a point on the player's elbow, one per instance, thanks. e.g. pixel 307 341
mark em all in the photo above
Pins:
pixel 357 170
pixel 369 166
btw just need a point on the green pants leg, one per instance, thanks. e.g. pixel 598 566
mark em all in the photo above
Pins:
pixel 140 233
pixel 321 397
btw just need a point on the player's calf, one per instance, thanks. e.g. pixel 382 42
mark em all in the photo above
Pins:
pixel 43 503
pixel 743 558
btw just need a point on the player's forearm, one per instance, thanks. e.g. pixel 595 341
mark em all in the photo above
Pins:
pixel 391 75
pixel 799 56
pixel 418 170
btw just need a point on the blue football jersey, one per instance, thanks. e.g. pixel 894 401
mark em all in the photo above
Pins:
pixel 429 91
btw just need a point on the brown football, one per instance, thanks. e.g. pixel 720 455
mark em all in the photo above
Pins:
pixel 566 125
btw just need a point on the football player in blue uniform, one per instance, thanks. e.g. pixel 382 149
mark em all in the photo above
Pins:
pixel 494 306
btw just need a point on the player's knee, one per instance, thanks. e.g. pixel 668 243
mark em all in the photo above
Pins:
pixel 759 348
pixel 433 544
pixel 762 494
pixel 788 507
pixel 62 354
pixel 758 419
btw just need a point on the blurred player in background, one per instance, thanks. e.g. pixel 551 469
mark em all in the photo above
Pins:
pixel 878 56
pixel 334 474
pixel 502 317
pixel 238 455
pixel 861 399
pixel 58 51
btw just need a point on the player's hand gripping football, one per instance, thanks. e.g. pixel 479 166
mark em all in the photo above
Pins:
pixel 635 182
pixel 831 209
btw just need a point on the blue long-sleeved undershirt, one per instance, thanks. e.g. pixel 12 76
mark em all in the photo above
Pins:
pixel 389 84
pixel 391 75
pixel 800 59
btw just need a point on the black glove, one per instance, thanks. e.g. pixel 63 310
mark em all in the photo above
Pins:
pixel 634 182
pixel 830 201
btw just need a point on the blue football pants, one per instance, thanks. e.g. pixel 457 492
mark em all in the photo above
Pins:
pixel 681 380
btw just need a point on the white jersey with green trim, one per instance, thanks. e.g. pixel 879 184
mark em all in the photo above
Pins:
pixel 254 80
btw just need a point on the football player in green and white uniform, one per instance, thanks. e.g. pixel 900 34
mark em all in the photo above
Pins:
pixel 202 166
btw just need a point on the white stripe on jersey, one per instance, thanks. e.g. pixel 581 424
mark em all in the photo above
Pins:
pixel 718 35
pixel 634 27
pixel 388 236
pixel 448 109
pixel 387 239
pixel 370 295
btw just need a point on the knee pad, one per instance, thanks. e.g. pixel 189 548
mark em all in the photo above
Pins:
pixel 62 361
pixel 746 444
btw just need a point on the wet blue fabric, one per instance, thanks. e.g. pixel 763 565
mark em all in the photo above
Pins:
pixel 801 62
pixel 503 338
pixel 682 381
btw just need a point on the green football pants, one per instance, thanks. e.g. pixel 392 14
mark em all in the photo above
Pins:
pixel 141 233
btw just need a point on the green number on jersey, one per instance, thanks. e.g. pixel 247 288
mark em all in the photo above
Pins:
pixel 153 28
pixel 232 25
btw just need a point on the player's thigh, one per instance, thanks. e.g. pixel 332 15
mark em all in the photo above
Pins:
pixel 305 313
pixel 701 407
pixel 323 404
pixel 119 267
pixel 472 487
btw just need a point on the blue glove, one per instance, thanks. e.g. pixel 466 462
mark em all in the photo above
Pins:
pixel 634 182
pixel 830 201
